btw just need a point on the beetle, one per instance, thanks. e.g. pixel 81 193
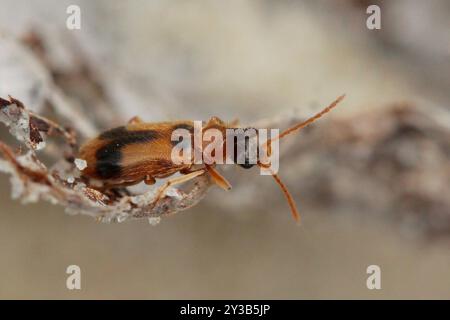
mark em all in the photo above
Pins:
pixel 141 151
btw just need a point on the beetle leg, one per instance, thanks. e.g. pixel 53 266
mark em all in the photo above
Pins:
pixel 218 178
pixel 149 180
pixel 175 181
pixel 191 168
pixel 186 171
pixel 135 120
pixel 215 175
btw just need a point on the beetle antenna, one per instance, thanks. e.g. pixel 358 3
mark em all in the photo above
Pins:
pixel 308 121
pixel 290 130
pixel 288 196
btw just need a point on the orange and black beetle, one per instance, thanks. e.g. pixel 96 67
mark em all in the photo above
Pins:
pixel 142 151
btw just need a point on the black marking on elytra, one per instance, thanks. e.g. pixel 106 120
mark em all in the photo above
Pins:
pixel 110 155
pixel 108 160
pixel 106 170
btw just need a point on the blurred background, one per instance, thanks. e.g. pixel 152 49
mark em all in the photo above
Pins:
pixel 371 179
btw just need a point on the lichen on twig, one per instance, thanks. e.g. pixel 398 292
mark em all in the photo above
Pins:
pixel 32 180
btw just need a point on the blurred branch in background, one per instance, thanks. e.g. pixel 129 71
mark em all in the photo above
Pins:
pixel 392 163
